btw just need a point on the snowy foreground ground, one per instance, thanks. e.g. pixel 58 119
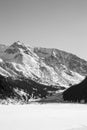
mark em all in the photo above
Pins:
pixel 43 117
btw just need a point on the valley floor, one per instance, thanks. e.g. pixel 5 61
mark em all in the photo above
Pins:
pixel 43 117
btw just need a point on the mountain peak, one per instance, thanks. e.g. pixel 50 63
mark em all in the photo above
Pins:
pixel 18 44
pixel 15 47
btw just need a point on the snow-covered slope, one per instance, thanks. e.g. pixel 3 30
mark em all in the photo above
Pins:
pixel 46 66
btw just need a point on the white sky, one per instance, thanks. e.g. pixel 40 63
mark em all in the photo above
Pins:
pixel 59 24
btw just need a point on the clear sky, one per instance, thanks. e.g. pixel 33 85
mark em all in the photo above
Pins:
pixel 59 24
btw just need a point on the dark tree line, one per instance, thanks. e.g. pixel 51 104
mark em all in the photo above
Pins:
pixel 76 93
pixel 30 87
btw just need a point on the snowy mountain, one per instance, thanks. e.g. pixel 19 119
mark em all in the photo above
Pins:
pixel 46 67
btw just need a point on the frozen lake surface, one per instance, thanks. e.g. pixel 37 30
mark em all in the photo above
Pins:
pixel 43 117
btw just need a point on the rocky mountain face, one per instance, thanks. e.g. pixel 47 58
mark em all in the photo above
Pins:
pixel 50 70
